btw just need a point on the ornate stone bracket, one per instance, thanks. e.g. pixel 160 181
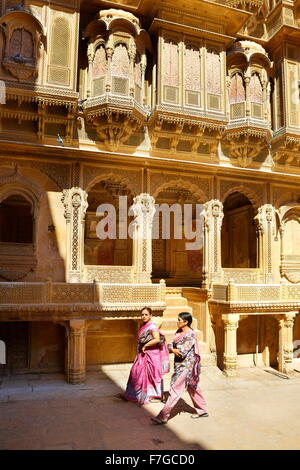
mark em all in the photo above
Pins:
pixel 244 145
pixel 286 151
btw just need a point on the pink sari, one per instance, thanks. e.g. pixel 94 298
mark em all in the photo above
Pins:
pixel 146 376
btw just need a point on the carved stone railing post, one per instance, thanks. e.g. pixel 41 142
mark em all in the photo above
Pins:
pixel 285 353
pixel 213 216
pixel 231 323
pixel 76 351
pixel 75 203
pixel 143 209
pixel 266 221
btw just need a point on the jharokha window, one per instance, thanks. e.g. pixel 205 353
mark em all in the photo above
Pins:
pixel 21 45
pixel 16 220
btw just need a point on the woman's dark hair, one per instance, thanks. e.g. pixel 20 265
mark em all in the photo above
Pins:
pixel 186 316
pixel 149 309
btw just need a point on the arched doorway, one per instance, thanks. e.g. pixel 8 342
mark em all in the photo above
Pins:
pixel 173 256
pixel 238 236
pixel 115 251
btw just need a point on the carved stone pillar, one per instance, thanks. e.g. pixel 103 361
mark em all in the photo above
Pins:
pixel 90 55
pixel 132 53
pixel 109 52
pixel 143 210
pixel 266 221
pixel 76 351
pixel 247 92
pixel 285 353
pixel 75 203
pixel 143 71
pixel 231 323
pixel 213 216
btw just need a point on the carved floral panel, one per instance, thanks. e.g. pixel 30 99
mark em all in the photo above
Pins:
pixel 237 92
pixel 192 68
pixel 213 70
pixel 99 64
pixel 170 63
pixel 120 61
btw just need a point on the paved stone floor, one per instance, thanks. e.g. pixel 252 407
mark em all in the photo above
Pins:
pixel 256 410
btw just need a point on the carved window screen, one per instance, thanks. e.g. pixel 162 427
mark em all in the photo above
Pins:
pixel 59 68
pixel 237 97
pixel 170 71
pixel 120 70
pixel 99 71
pixel 256 97
pixel 192 75
pixel 213 80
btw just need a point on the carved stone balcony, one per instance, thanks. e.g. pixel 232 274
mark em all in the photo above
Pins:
pixel 115 117
pixel 243 141
pixel 61 301
pixel 256 298
pixel 286 150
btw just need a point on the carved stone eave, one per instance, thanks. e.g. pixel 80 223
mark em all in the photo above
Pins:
pixel 247 5
pixel 115 123
pixel 195 130
pixel 244 143
pixel 286 150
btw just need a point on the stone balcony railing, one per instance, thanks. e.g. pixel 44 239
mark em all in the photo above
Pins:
pixel 77 300
pixel 108 274
pixel 241 275
pixel 257 294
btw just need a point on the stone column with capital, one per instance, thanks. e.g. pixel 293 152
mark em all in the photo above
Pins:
pixel 213 216
pixel 76 351
pixel 285 353
pixel 143 209
pixel 231 323
pixel 266 224
pixel 75 204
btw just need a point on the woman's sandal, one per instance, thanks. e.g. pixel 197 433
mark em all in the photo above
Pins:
pixel 159 421
pixel 195 416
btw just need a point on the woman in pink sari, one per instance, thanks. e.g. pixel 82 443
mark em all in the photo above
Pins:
pixel 145 381
pixel 186 371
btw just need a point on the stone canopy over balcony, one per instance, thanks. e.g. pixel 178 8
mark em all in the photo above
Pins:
pixel 115 88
